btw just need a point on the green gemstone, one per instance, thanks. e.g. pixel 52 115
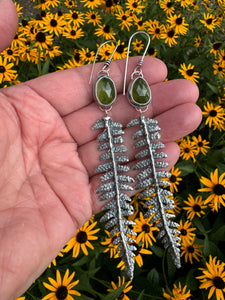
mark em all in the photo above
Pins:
pixel 105 91
pixel 140 93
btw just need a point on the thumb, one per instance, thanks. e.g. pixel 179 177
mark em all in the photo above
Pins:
pixel 8 23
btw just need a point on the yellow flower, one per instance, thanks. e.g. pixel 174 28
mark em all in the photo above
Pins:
pixel 82 239
pixel 169 35
pixel 178 293
pixel 188 72
pixel 215 185
pixel 126 289
pixel 61 288
pixel 201 145
pixel 187 149
pixel 186 231
pixel 213 278
pixel 216 115
pixel 194 206
pixel 6 72
pixel 190 251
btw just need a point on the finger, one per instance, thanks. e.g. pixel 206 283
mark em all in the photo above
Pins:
pixel 174 124
pixel 165 95
pixel 172 150
pixel 68 90
pixel 8 23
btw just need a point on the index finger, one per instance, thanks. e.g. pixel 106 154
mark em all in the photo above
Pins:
pixel 68 90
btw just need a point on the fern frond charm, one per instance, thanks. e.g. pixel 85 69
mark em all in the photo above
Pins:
pixel 114 183
pixel 150 180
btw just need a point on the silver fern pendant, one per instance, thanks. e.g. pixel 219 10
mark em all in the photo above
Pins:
pixel 114 184
pixel 150 180
pixel 114 180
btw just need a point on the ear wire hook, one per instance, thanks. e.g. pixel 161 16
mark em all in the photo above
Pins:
pixel 140 61
pixel 108 61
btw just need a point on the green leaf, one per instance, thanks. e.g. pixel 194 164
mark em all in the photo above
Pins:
pixel 140 297
pixel 191 281
pixel 218 235
pixel 153 276
pixel 213 88
pixel 157 251
pixel 45 67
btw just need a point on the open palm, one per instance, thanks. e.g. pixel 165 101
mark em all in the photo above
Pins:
pixel 48 156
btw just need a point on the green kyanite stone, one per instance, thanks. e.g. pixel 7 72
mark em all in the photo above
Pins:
pixel 105 91
pixel 141 92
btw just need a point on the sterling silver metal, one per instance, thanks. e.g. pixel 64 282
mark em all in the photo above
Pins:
pixel 114 180
pixel 149 178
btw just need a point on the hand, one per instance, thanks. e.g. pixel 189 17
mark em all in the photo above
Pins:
pixel 48 154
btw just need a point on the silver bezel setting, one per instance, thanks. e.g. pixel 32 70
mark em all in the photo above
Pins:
pixel 129 94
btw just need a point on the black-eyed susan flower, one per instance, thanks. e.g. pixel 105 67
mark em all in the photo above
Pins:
pixel 167 6
pixel 213 278
pixel 111 248
pixel 105 31
pixel 91 4
pixel 198 41
pixel 93 17
pixel 111 6
pixel 53 3
pixel 127 288
pixel 43 5
pixel 209 21
pixel 219 70
pixel 61 288
pixel 53 24
pixel 152 52
pixel 6 71
pixel 215 48
pixel 186 231
pixel 19 9
pixel 187 149
pixel 174 179
pixel 52 52
pixel 42 40
pixel 154 28
pixel 72 32
pixel 87 55
pixel 137 45
pixel 216 187
pixel 221 58
pixel 201 145
pixel 70 3
pixel 184 3
pixel 121 51
pixel 138 21
pixel 11 54
pixel 195 206
pixel 169 35
pixel 74 17
pixel 188 72
pixel 82 239
pixel 134 6
pixel 178 293
pixel 125 19
pixel 178 22
pixel 28 53
pixel 215 115
pixel 145 231
pixel 190 251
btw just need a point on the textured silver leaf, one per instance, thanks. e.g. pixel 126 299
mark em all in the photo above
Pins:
pixel 114 182
pixel 159 204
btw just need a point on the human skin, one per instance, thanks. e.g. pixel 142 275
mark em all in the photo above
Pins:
pixel 48 154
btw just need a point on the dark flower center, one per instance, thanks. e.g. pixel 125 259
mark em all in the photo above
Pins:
pixel 9 52
pixel 124 18
pixel 196 208
pixel 40 37
pixel 157 30
pixel 93 16
pixel 135 5
pixel 146 228
pixel 43 14
pixel 190 249
pixel 73 32
pixel 59 13
pixel 24 23
pixel 219 189
pixel 82 237
pixel 200 144
pixel 88 54
pixel 218 282
pixel 190 72
pixel 173 178
pixel 77 57
pixel 120 49
pixel 187 150
pixel 75 16
pixel 170 34
pixel 140 23
pixel 169 4
pixel 216 46
pixel 61 292
pixel 183 232
pixel 179 21
pixel 121 296
pixel 209 21
pixel 53 23
pixel 2 69
pixel 151 51
pixel 109 3
pixel 213 113
pixel 106 29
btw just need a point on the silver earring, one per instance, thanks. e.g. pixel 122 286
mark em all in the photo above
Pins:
pixel 114 179
pixel 149 179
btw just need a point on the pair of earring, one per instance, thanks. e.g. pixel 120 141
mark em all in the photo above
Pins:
pixel 115 181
